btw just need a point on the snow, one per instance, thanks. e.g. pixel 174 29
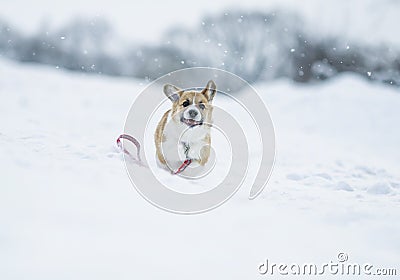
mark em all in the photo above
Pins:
pixel 69 211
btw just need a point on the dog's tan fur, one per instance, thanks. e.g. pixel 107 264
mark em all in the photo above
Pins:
pixel 159 137
pixel 194 97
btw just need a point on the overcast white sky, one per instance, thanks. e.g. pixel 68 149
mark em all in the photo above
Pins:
pixel 137 19
pixel 146 20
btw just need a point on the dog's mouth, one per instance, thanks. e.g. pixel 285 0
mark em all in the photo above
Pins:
pixel 191 122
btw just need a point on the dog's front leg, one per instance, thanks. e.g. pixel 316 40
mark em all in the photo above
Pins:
pixel 199 152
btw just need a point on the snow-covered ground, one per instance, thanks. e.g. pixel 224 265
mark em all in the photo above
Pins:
pixel 69 211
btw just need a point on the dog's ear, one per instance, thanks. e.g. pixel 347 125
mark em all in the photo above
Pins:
pixel 172 92
pixel 210 90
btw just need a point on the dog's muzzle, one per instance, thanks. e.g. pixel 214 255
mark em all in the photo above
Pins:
pixel 192 116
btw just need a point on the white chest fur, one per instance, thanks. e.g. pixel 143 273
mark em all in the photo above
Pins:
pixel 187 140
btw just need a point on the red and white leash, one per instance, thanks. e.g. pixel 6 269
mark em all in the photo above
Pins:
pixel 185 164
pixel 132 139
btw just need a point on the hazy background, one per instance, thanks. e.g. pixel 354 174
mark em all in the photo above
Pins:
pixel 306 41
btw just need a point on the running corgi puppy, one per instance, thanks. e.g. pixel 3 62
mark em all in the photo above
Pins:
pixel 186 126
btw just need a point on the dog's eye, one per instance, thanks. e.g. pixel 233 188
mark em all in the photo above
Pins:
pixel 202 106
pixel 186 103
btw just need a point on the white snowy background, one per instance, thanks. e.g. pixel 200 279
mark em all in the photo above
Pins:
pixel 69 211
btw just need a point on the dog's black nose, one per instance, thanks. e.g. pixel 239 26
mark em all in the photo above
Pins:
pixel 193 113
